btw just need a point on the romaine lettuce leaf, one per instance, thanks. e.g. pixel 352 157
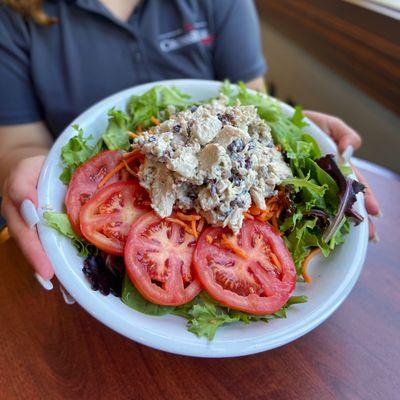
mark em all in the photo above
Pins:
pixel 60 222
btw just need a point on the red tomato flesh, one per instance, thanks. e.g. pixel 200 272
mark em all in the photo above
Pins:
pixel 105 220
pixel 254 281
pixel 158 260
pixel 85 180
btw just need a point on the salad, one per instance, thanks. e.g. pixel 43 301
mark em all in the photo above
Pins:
pixel 207 210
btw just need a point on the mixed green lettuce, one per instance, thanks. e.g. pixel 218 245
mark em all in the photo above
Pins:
pixel 315 190
pixel 60 222
pixel 204 315
pixel 319 196
pixel 76 152
pixel 139 111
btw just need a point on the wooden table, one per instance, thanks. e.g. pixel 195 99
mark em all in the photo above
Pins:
pixel 49 350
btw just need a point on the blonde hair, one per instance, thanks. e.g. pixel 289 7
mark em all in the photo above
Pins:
pixel 31 9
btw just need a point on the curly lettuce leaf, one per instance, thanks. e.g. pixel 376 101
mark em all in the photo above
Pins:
pixel 77 151
pixel 60 222
pixel 116 137
pixel 306 183
pixel 153 102
pixel 286 131
pixel 133 299
pixel 205 315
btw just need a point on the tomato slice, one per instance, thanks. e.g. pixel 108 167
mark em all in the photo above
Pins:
pixel 158 259
pixel 106 218
pixel 85 179
pixel 252 272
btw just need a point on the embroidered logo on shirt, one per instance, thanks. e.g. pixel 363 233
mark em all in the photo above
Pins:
pixel 190 33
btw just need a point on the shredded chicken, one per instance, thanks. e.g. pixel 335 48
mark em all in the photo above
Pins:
pixel 215 159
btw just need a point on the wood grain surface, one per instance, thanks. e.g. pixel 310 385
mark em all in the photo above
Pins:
pixel 361 45
pixel 49 350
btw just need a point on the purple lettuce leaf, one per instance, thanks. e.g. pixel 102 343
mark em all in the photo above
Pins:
pixel 348 189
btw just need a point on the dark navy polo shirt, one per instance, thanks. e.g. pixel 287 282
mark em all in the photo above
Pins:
pixel 53 73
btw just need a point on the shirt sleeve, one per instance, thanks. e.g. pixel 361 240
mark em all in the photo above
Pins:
pixel 238 52
pixel 18 103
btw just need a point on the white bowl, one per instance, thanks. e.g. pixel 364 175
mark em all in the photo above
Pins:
pixel 333 278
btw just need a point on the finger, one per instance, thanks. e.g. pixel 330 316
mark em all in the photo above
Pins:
pixel 339 131
pixel 346 136
pixel 23 180
pixel 371 202
pixel 373 236
pixel 28 240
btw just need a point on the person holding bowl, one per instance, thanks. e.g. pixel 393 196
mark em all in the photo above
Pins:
pixel 59 57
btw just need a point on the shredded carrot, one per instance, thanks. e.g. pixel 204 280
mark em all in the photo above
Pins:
pixel 275 222
pixel 133 135
pixel 278 147
pixel 200 225
pixel 209 239
pixel 232 246
pixel 271 201
pixel 139 129
pixel 177 221
pixel 155 121
pixel 306 262
pixel 188 217
pixel 247 215
pixel 134 153
pixel 265 216
pixel 254 210
pixel 119 166
pixel 180 223
pixel 194 228
pixel 111 174
pixel 128 168
pixel 276 261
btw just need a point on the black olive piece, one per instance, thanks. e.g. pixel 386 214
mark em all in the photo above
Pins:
pixel 236 145
pixel 213 190
pixel 177 128
pixel 251 145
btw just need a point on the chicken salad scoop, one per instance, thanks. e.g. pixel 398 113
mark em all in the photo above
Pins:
pixel 213 158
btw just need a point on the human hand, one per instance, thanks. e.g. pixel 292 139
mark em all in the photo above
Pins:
pixel 19 200
pixel 348 140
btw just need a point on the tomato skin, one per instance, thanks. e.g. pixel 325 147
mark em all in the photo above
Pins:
pixel 84 182
pixel 160 265
pixel 105 220
pixel 250 284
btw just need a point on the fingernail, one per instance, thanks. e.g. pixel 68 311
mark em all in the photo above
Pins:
pixel 44 282
pixel 29 213
pixel 66 296
pixel 376 238
pixel 348 153
pixel 378 214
